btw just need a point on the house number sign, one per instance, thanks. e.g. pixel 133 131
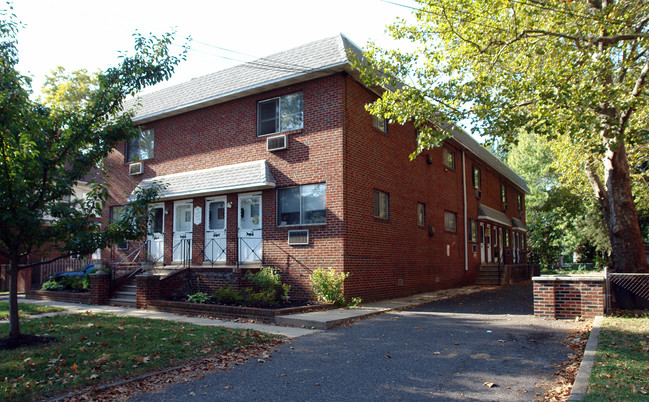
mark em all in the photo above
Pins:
pixel 198 213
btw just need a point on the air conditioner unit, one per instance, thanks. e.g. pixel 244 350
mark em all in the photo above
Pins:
pixel 478 194
pixel 276 143
pixel 298 237
pixel 504 206
pixel 136 168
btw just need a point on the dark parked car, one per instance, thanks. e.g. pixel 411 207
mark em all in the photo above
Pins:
pixel 84 271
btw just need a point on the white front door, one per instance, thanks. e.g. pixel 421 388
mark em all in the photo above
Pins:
pixel 482 241
pixel 183 225
pixel 488 243
pixel 156 236
pixel 249 227
pixel 215 229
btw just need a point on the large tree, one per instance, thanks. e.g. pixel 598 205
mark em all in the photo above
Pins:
pixel 555 68
pixel 45 151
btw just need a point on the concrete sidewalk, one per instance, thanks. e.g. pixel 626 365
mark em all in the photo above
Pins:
pixel 291 326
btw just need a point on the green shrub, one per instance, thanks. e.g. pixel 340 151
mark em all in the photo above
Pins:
pixel 228 295
pixel 75 283
pixel 198 297
pixel 51 285
pixel 269 280
pixel 262 298
pixel 327 284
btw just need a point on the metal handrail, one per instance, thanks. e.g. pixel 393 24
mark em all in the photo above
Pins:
pixel 243 239
pixel 212 260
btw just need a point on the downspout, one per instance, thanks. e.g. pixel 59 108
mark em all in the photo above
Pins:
pixel 466 219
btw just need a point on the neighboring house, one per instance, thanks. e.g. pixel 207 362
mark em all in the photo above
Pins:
pixel 277 162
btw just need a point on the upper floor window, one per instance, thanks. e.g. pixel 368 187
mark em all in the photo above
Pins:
pixel 519 200
pixel 421 214
pixel 280 114
pixel 449 158
pixel 503 193
pixel 380 123
pixel 302 205
pixel 450 222
pixel 140 147
pixel 473 230
pixel 381 204
pixel 477 180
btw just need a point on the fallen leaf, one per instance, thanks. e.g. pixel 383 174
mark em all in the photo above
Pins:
pixel 490 384
pixel 388 357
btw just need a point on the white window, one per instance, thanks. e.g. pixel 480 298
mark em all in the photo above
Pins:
pixel 140 147
pixel 381 204
pixel 450 222
pixel 302 205
pixel 421 214
pixel 380 123
pixel 281 114
pixel 449 158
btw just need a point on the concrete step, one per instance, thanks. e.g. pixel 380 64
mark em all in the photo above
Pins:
pixel 119 301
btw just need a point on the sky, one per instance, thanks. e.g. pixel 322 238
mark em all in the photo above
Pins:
pixel 91 34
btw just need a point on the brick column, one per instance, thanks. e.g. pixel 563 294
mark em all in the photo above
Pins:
pixel 148 288
pixel 568 296
pixel 544 297
pixel 99 287
pixel 25 280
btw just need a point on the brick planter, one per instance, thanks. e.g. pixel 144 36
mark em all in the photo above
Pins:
pixel 99 287
pixel 216 310
pixel 59 296
pixel 565 297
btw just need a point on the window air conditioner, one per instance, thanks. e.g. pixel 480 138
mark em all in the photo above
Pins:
pixel 298 237
pixel 136 168
pixel 478 194
pixel 276 143
pixel 504 206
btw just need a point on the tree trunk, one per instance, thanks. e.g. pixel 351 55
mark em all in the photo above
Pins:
pixel 14 323
pixel 627 247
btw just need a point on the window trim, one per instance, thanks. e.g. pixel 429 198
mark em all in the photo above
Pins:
pixel 447 151
pixel 279 112
pixel 377 214
pixel 446 229
pixel 277 195
pixel 377 126
pixel 421 214
pixel 127 147
pixel 479 177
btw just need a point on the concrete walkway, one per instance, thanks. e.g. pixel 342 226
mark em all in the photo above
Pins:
pixel 291 326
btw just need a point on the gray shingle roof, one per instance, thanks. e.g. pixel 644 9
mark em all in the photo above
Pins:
pixel 246 176
pixel 294 65
pixel 319 58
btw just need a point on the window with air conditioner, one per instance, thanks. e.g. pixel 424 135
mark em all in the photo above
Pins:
pixel 276 143
pixel 140 147
pixel 302 205
pixel 281 114
pixel 298 237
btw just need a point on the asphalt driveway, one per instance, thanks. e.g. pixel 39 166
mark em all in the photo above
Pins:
pixel 444 350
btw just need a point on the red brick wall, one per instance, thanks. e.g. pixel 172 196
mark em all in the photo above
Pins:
pixel 338 146
pixel 60 296
pixel 568 297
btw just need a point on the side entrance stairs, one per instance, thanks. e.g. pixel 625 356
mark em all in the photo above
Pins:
pixel 126 296
pixel 489 275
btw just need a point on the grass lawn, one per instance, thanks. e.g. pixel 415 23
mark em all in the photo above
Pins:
pixel 92 349
pixel 27 309
pixel 621 370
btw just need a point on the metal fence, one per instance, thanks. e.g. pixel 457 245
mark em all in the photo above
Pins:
pixel 627 291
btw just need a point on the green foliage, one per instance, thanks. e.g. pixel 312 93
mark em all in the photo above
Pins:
pixel 262 298
pixel 198 297
pixel 68 91
pixel 51 285
pixel 327 284
pixel 228 295
pixel 46 150
pixel 95 349
pixel 269 280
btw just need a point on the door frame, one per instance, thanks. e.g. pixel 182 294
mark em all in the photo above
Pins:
pixel 190 232
pixel 151 235
pixel 221 252
pixel 240 255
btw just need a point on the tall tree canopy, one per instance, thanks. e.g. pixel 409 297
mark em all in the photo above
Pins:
pixel 570 69
pixel 68 91
pixel 46 151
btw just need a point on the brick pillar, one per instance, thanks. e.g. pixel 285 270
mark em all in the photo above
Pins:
pixel 99 287
pixel 544 305
pixel 148 288
pixel 25 280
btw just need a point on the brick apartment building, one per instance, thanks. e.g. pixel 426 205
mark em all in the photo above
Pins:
pixel 277 162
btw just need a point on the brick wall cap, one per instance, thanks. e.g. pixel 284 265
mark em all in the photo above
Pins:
pixel 568 278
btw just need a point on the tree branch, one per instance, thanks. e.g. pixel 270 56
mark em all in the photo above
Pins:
pixel 33 264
